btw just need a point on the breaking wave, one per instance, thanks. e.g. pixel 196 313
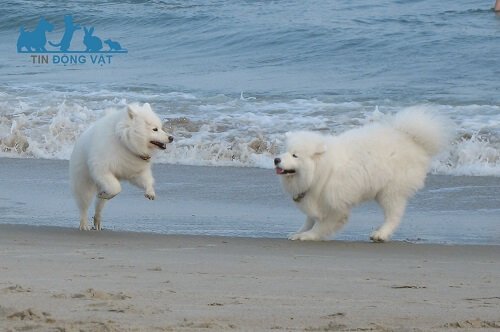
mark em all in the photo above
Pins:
pixel 220 130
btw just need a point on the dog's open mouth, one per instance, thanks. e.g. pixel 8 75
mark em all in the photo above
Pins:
pixel 161 145
pixel 282 171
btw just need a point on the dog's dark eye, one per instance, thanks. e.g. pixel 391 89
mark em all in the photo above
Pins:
pixel 294 155
pixel 155 129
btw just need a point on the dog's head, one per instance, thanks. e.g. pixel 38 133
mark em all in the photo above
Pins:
pixel 142 131
pixel 297 166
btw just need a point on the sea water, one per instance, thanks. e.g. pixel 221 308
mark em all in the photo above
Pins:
pixel 230 78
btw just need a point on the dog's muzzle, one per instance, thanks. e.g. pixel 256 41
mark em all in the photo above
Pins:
pixel 160 145
pixel 282 171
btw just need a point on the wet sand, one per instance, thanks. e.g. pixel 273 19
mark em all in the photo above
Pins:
pixel 248 202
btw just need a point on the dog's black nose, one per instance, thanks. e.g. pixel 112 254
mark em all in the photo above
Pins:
pixel 277 161
pixel 170 139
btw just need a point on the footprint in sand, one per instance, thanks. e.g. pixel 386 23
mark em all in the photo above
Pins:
pixel 31 315
pixel 94 294
pixel 474 323
pixel 16 289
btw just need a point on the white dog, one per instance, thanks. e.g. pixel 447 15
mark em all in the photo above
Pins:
pixel 117 147
pixel 387 162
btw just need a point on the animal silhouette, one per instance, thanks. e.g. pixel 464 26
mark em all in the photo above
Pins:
pixel 34 41
pixel 68 33
pixel 92 43
pixel 114 45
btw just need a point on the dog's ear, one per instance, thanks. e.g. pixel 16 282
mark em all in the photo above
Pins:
pixel 320 149
pixel 131 112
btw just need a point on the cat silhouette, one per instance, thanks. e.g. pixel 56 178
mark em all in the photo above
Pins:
pixel 93 43
pixel 68 33
pixel 34 41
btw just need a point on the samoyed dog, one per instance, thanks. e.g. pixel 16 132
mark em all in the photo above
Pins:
pixel 117 147
pixel 387 162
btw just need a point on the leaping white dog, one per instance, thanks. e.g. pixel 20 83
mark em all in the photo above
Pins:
pixel 387 162
pixel 117 147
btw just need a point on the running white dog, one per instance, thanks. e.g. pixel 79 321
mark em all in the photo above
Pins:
pixel 117 147
pixel 388 162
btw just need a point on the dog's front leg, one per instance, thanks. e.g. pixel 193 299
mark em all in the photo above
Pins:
pixel 145 181
pixel 323 228
pixel 307 226
pixel 108 185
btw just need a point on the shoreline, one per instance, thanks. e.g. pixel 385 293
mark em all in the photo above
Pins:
pixel 63 279
pixel 119 232
pixel 244 202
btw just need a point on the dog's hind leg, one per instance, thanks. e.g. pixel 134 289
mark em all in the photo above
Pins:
pixel 323 228
pixel 99 205
pixel 83 196
pixel 394 207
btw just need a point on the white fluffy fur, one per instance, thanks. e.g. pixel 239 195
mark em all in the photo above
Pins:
pixel 116 147
pixel 386 162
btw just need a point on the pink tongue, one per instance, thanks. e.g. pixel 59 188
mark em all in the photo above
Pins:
pixel 279 170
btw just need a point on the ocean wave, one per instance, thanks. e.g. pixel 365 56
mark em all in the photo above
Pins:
pixel 220 130
pixel 471 154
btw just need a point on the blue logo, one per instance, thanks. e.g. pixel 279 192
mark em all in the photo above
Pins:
pixel 35 41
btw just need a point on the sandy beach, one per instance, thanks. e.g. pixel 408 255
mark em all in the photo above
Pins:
pixel 54 277
pixel 229 80
pixel 59 279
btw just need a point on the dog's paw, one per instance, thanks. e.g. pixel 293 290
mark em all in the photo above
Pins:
pixel 379 236
pixel 105 195
pixel 84 227
pixel 97 225
pixel 305 236
pixel 150 196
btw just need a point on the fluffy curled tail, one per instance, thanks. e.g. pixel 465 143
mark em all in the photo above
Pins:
pixel 431 131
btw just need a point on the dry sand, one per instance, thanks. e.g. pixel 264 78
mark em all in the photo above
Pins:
pixel 59 279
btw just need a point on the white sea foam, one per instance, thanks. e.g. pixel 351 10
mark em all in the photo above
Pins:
pixel 473 155
pixel 242 131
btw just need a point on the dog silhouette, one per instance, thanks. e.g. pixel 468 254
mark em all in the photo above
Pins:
pixel 92 43
pixel 68 33
pixel 114 45
pixel 34 41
